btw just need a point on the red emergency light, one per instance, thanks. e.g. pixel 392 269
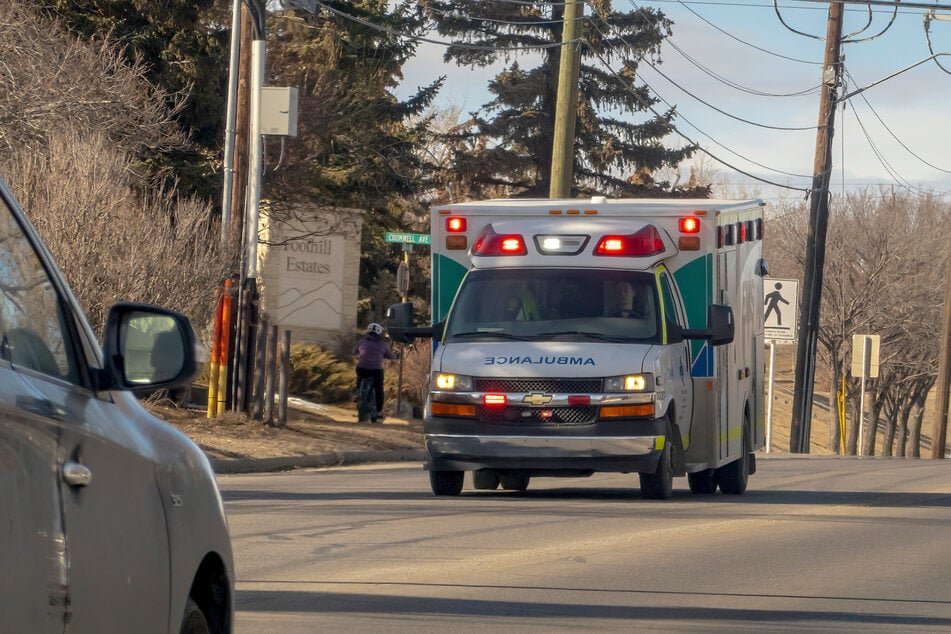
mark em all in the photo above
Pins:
pixel 645 242
pixel 455 224
pixel 491 243
pixel 689 224
pixel 494 400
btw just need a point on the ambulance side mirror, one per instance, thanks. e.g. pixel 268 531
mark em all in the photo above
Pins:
pixel 719 328
pixel 399 323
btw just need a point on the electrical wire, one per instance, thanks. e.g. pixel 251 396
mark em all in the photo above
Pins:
pixel 684 90
pixel 893 135
pixel 465 16
pixel 684 4
pixel 899 180
pixel 736 86
pixel 928 17
pixel 689 140
pixel 418 38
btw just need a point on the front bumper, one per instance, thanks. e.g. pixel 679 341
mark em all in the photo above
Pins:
pixel 614 447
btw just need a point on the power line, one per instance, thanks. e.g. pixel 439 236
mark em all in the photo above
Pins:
pixel 685 120
pixel 684 4
pixel 418 38
pixel 894 136
pixel 673 127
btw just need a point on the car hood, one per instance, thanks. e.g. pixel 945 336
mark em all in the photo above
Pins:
pixel 542 359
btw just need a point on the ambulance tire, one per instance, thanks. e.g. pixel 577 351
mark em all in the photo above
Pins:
pixel 660 484
pixel 514 481
pixel 446 482
pixel 733 477
pixel 703 482
pixel 485 479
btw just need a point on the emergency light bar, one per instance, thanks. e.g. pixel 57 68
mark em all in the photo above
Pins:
pixel 643 243
pixel 561 244
pixel 491 243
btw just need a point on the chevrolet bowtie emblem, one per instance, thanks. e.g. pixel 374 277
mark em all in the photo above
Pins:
pixel 537 399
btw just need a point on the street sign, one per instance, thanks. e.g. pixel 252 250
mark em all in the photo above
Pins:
pixel 409 238
pixel 402 280
pixel 782 310
pixel 865 355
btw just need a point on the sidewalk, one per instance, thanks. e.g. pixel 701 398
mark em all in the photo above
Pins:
pixel 396 428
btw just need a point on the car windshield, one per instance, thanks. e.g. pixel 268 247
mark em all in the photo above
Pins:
pixel 559 304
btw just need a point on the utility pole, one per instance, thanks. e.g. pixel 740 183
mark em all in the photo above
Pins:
pixel 939 434
pixel 800 427
pixel 566 106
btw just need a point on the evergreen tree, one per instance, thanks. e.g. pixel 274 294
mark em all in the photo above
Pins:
pixel 356 143
pixel 508 143
pixel 185 46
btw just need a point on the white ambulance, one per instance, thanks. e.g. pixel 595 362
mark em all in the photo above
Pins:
pixel 594 335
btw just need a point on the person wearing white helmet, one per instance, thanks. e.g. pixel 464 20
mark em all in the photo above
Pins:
pixel 370 352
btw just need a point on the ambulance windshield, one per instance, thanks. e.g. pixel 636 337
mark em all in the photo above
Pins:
pixel 565 304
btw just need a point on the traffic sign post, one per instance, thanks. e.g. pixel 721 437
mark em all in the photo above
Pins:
pixel 409 238
pixel 864 363
pixel 402 286
pixel 779 325
pixel 781 307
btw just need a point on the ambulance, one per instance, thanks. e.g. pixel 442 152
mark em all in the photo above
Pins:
pixel 578 336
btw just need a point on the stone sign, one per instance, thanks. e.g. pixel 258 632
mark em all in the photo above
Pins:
pixel 310 269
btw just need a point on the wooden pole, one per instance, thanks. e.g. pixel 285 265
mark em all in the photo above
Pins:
pixel 800 427
pixel 566 105
pixel 271 373
pixel 285 375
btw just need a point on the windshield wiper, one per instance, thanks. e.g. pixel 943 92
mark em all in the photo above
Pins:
pixel 489 333
pixel 582 333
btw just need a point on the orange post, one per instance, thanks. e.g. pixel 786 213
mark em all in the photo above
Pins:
pixel 215 356
pixel 223 345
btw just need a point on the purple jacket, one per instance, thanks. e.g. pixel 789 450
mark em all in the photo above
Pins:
pixel 370 352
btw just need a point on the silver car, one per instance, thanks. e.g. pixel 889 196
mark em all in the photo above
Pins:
pixel 110 519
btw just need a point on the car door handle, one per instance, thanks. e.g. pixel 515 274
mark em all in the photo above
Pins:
pixel 76 475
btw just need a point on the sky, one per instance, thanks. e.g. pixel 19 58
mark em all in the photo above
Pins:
pixel 743 67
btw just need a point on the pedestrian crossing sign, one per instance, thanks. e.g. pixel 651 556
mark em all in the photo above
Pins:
pixel 781 306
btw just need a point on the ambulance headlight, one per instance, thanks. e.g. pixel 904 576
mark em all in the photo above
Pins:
pixel 445 382
pixel 629 383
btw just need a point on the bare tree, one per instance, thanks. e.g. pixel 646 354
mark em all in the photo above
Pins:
pixel 882 277
pixel 112 242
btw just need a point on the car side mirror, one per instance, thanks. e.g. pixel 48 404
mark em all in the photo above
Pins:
pixel 148 348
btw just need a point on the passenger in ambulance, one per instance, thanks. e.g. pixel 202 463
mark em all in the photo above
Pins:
pixel 519 305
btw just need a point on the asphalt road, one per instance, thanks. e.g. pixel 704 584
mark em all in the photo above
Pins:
pixel 817 544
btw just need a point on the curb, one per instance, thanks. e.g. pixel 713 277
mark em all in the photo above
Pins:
pixel 332 459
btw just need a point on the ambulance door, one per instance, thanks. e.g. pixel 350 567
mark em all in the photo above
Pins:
pixel 681 383
pixel 726 361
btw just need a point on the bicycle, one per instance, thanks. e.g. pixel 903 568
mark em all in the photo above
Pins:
pixel 366 401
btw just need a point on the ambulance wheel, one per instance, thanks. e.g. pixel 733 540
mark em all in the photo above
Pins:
pixel 703 482
pixel 514 481
pixel 485 479
pixel 446 482
pixel 660 484
pixel 733 477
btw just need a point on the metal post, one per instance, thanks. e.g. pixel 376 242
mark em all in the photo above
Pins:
pixel 769 403
pixel 255 159
pixel 866 345
pixel 230 122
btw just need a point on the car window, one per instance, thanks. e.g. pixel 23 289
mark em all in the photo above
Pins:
pixel 31 324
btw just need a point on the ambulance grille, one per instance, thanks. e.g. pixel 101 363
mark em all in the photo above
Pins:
pixel 532 415
pixel 545 386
